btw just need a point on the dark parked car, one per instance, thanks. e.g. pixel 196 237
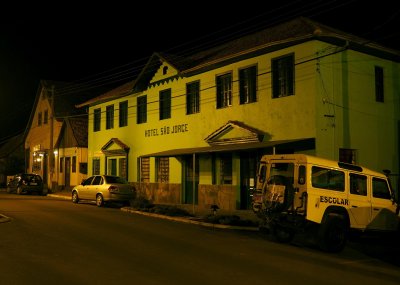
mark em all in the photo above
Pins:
pixel 26 183
pixel 104 188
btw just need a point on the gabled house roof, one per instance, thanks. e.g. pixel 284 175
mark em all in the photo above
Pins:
pixel 64 96
pixel 78 128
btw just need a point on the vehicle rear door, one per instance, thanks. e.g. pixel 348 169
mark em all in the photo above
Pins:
pixel 84 189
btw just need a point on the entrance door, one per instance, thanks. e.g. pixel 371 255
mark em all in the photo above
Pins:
pixel 248 165
pixel 67 172
pixel 189 180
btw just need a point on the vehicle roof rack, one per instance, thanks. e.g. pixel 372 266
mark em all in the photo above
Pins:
pixel 349 166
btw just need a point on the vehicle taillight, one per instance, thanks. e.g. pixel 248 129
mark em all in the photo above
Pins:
pixel 113 188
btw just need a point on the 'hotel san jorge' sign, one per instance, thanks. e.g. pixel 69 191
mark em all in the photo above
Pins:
pixel 167 130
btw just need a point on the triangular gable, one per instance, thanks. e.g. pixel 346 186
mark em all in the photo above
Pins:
pixel 235 132
pixel 153 72
pixel 114 147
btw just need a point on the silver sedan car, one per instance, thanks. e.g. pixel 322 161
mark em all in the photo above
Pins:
pixel 103 189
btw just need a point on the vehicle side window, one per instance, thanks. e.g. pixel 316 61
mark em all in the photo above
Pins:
pixel 380 188
pixel 326 178
pixel 88 181
pixel 97 180
pixel 358 184
pixel 262 173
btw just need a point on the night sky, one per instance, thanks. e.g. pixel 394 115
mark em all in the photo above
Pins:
pixel 111 43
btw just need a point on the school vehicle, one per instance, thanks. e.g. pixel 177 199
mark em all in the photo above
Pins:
pixel 298 192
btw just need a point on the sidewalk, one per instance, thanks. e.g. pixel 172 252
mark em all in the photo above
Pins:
pixel 66 195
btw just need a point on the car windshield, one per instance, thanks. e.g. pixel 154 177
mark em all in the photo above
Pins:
pixel 115 179
pixel 31 177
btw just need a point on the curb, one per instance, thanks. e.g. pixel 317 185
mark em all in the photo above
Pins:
pixel 189 220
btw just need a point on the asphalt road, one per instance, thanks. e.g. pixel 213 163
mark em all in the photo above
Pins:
pixel 53 241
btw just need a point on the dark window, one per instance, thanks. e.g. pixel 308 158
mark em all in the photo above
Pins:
pixel 224 90
pixel 46 117
pixel 248 85
pixel 110 117
pixel 165 104
pixel 96 119
pixel 123 114
pixel 96 166
pixel 283 76
pixel 162 164
pixel 61 164
pixel 379 95
pixel 141 110
pixel 83 167
pixel 326 178
pixel 358 184
pixel 226 169
pixel 380 188
pixel 39 122
pixel 74 164
pixel 193 97
pixel 112 166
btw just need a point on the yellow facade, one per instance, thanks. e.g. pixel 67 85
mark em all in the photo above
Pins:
pixel 333 107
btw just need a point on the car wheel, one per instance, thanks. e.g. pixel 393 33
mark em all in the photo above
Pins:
pixel 99 200
pixel 75 198
pixel 333 234
pixel 19 190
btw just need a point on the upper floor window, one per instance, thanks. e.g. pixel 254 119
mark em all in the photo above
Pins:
pixel 248 85
pixel 283 76
pixel 123 114
pixel 379 95
pixel 39 119
pixel 224 90
pixel 110 117
pixel 96 119
pixel 165 104
pixel 46 117
pixel 193 97
pixel 141 109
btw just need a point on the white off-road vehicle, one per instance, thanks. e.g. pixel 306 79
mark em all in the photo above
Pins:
pixel 297 192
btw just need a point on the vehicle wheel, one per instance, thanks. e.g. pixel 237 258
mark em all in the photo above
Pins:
pixel 99 200
pixel 332 235
pixel 75 198
pixel 19 190
pixel 282 234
